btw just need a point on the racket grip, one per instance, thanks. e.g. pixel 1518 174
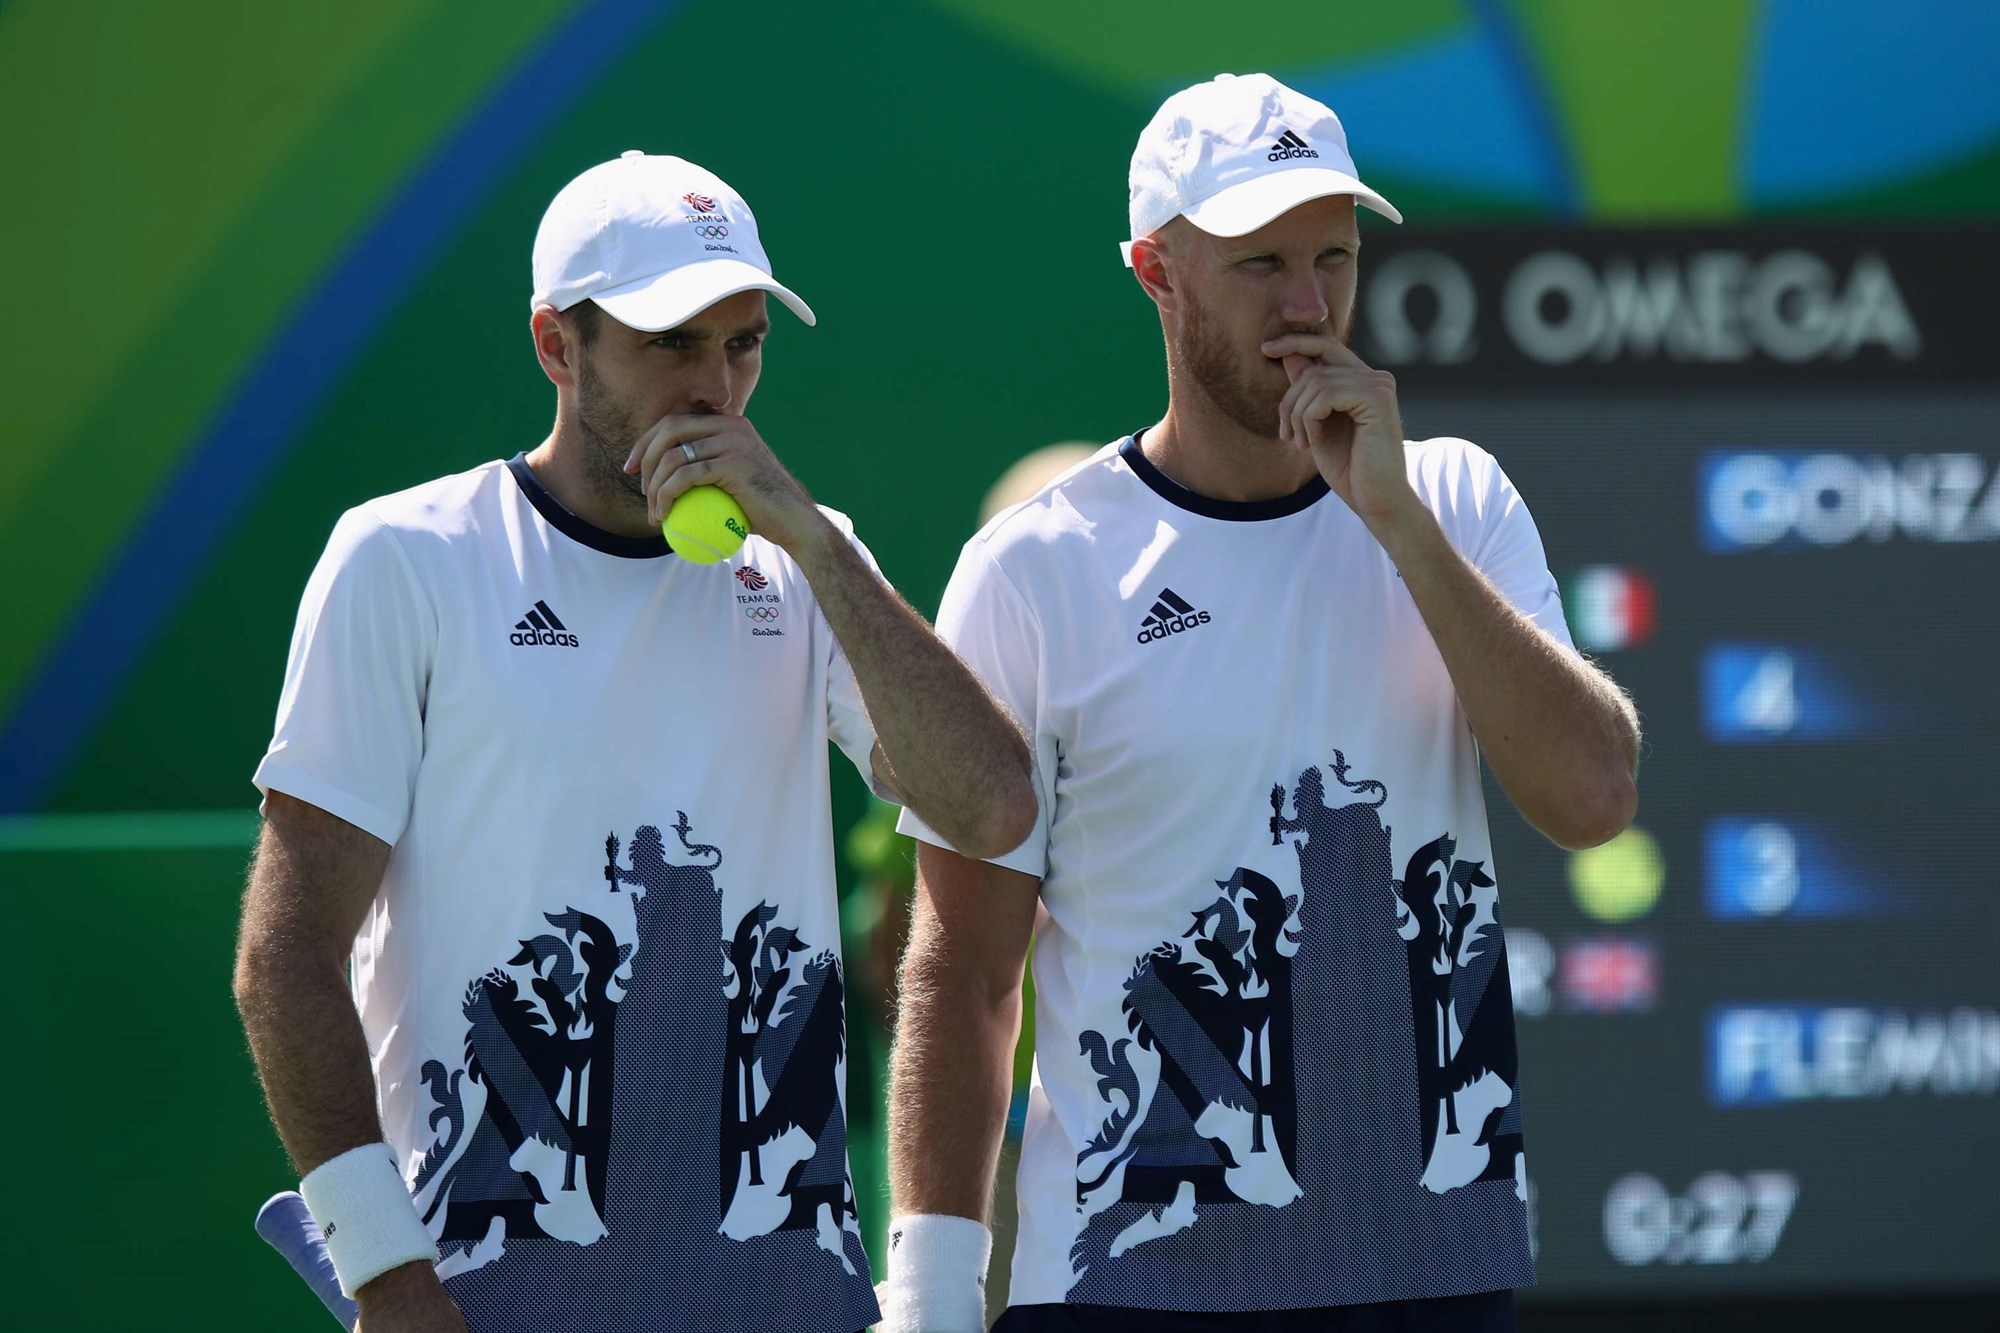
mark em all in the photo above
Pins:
pixel 289 1229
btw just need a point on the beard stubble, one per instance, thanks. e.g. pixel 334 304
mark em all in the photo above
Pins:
pixel 1240 385
pixel 610 428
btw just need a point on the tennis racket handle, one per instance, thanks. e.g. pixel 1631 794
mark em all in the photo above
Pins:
pixel 290 1230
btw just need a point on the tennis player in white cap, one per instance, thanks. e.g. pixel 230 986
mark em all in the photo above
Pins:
pixel 1260 647
pixel 562 797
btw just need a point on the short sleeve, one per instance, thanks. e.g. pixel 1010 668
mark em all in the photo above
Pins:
pixel 350 728
pixel 847 720
pixel 987 622
pixel 1509 550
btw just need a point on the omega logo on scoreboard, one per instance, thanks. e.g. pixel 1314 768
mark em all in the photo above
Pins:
pixel 1645 305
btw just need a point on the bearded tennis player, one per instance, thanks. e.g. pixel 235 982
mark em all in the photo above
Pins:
pixel 1261 647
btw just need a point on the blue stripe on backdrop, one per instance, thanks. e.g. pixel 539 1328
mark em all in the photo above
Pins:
pixel 1448 112
pixel 199 504
pixel 1854 94
pixel 1564 195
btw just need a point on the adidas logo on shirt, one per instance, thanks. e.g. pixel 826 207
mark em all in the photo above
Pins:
pixel 1171 615
pixel 541 628
pixel 1289 145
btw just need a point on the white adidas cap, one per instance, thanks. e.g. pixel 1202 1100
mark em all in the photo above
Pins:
pixel 654 241
pixel 1231 154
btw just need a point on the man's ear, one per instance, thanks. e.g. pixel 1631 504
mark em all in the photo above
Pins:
pixel 1150 267
pixel 556 345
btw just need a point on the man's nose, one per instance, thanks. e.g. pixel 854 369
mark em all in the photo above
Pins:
pixel 709 390
pixel 1305 304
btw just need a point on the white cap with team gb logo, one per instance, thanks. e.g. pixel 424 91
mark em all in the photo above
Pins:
pixel 654 240
pixel 1231 154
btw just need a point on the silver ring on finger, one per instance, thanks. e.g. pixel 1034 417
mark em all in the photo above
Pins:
pixel 687 452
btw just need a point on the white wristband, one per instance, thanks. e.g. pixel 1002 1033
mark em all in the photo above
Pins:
pixel 366 1214
pixel 937 1275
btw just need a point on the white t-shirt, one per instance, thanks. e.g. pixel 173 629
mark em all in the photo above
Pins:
pixel 1274 1063
pixel 601 983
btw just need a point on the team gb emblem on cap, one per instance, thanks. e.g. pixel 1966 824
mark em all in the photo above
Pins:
pixel 700 203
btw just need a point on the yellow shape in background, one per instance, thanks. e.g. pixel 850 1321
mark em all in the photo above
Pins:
pixel 1620 881
pixel 1648 97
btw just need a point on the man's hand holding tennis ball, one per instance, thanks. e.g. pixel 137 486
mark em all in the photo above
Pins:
pixel 684 451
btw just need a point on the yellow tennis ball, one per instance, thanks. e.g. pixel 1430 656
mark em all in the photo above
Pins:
pixel 706 525
pixel 1621 880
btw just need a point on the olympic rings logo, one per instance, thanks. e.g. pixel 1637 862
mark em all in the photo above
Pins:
pixel 765 614
pixel 714 231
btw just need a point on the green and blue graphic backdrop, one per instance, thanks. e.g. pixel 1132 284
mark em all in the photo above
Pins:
pixel 269 260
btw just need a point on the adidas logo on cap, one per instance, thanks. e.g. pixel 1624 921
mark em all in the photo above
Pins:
pixel 1171 614
pixel 541 628
pixel 1289 145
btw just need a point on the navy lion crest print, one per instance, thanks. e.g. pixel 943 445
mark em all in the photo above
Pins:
pixel 1331 1055
pixel 646 1087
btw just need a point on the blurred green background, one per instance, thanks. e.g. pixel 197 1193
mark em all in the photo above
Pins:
pixel 287 251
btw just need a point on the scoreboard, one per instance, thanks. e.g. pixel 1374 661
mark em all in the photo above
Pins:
pixel 1760 1031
